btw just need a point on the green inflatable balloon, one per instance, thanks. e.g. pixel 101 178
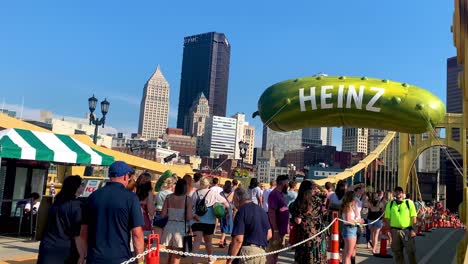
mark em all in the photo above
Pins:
pixel 331 101
pixel 219 210
pixel 161 180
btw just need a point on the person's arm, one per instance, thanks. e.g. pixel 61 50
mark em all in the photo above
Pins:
pixel 269 234
pixel 83 243
pixel 357 213
pixel 273 224
pixel 165 205
pixel 81 247
pixel 234 247
pixel 150 204
pixel 387 214
pixel 138 242
pixel 189 210
pixel 136 223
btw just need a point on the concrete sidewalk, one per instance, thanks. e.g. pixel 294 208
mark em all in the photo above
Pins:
pixel 18 250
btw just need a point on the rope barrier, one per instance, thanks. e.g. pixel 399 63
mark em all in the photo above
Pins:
pixel 214 257
pixel 359 224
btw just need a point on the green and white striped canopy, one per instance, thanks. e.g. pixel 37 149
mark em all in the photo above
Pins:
pixel 44 146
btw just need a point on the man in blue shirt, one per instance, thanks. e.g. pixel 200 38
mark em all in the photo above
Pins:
pixel 111 214
pixel 251 229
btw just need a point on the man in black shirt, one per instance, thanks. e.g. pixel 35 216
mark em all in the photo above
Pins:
pixel 251 229
pixel 111 214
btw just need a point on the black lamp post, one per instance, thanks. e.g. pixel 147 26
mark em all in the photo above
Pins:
pixel 92 101
pixel 243 146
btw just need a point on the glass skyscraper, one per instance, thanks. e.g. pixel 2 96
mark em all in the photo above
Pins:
pixel 205 68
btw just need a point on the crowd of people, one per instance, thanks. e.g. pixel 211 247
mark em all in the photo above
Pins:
pixel 111 225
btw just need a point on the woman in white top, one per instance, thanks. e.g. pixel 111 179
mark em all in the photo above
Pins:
pixel 166 189
pixel 255 192
pixel 350 213
pixel 178 208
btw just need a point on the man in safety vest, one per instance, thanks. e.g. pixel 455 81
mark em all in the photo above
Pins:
pixel 400 214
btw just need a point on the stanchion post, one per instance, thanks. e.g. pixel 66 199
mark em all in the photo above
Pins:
pixel 153 256
pixel 335 241
pixel 383 244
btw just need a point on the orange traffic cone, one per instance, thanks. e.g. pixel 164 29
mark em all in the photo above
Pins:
pixel 383 244
pixel 420 233
pixel 335 242
pixel 153 256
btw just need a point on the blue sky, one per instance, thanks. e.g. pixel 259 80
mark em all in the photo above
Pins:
pixel 56 54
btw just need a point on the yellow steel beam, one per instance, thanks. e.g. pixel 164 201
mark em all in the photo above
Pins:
pixel 362 164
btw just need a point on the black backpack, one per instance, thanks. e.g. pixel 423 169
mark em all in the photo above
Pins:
pixel 393 202
pixel 200 205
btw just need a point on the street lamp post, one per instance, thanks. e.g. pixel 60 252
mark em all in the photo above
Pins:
pixel 92 102
pixel 243 146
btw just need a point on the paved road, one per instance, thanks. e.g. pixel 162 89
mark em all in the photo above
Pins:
pixel 438 246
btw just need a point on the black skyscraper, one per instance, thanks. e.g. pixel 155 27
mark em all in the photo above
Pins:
pixel 205 68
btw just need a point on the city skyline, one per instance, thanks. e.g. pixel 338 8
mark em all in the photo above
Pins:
pixel 110 60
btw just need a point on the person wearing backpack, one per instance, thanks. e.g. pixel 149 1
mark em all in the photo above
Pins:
pixel 204 224
pixel 400 214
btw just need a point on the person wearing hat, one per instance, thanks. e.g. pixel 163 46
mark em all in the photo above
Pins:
pixel 113 213
pixel 400 215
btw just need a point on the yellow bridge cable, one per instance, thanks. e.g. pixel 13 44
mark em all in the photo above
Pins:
pixel 362 164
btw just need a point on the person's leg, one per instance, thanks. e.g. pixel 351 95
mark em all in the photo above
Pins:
pixel 208 244
pixel 222 240
pixel 397 246
pixel 197 240
pixel 176 257
pixel 410 248
pixel 368 232
pixel 375 240
pixel 346 251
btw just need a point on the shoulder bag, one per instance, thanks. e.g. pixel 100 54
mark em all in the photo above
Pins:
pixel 187 239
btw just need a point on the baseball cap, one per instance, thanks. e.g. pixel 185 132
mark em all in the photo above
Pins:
pixel 119 168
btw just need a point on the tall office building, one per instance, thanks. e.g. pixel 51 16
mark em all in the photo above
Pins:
pixel 390 156
pixel 449 175
pixel 205 68
pixel 220 137
pixel 280 142
pixel 249 137
pixel 197 115
pixel 196 120
pixel 314 135
pixel 154 107
pixel 354 139
pixel 244 133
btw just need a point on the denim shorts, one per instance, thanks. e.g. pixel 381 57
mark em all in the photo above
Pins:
pixel 349 231
pixel 377 224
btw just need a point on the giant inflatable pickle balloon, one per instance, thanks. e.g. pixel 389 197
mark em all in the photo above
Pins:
pixel 332 101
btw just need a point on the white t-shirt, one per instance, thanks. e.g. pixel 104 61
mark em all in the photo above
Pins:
pixel 35 207
pixel 266 193
pixel 359 207
pixel 255 193
pixel 211 198
pixel 216 189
